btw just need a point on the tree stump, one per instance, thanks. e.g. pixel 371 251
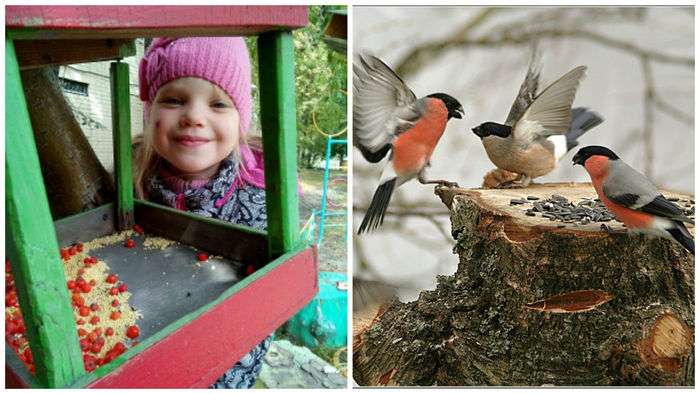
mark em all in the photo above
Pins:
pixel 539 302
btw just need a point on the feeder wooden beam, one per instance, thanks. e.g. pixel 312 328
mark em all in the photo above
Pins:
pixel 103 22
pixel 32 247
pixel 533 303
pixel 277 102
pixel 39 53
pixel 121 130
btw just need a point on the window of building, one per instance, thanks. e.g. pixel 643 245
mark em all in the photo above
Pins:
pixel 74 87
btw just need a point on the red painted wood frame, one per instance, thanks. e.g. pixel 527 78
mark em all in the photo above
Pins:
pixel 197 353
pixel 93 22
pixel 190 356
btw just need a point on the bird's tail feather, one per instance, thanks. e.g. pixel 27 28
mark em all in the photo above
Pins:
pixel 681 234
pixel 377 208
pixel 582 120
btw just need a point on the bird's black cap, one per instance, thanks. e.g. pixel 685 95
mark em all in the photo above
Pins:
pixel 492 128
pixel 454 108
pixel 593 150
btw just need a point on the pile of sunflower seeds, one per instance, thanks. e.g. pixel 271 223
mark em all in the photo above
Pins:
pixel 688 206
pixel 559 208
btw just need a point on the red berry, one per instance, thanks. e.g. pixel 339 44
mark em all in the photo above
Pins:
pixel 80 322
pixel 85 288
pixel 138 230
pixel 115 315
pixel 7 265
pixel 129 243
pixel 98 331
pixel 202 256
pixel 113 291
pixel 115 303
pixel 249 269
pixel 112 278
pixel 94 307
pixel 84 345
pixel 28 355
pixel 84 311
pixel 95 347
pixel 92 336
pixel 65 255
pixel 132 332
pixel 81 332
pixel 79 247
pixel 72 250
pixel 122 287
pixel 109 331
pixel 94 320
pixel 87 261
pixel 119 348
pixel 78 300
pixel 71 284
pixel 90 362
pixel 93 282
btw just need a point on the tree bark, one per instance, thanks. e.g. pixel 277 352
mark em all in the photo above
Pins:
pixel 74 178
pixel 534 303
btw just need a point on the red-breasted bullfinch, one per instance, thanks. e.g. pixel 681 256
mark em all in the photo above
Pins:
pixel 540 128
pixel 387 117
pixel 632 198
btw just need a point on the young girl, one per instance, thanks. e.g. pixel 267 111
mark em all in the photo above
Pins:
pixel 194 155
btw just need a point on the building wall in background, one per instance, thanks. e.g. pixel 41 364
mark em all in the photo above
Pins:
pixel 86 87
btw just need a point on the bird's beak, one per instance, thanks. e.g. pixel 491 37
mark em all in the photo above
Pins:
pixel 577 160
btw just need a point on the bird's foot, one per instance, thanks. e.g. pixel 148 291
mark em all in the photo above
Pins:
pixel 610 230
pixel 521 182
pixel 511 185
pixel 440 182
pixel 444 183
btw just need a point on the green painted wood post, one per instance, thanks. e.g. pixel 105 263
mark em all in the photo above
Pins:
pixel 121 130
pixel 32 247
pixel 278 121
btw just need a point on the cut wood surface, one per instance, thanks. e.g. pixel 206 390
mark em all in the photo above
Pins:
pixel 498 202
pixel 538 302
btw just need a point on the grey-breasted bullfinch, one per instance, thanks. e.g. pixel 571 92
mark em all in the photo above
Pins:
pixel 540 128
pixel 388 118
pixel 632 198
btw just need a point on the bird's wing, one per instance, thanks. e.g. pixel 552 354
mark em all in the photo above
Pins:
pixel 528 89
pixel 629 188
pixel 550 113
pixel 383 106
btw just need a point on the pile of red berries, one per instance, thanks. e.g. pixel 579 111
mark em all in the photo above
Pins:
pixel 92 338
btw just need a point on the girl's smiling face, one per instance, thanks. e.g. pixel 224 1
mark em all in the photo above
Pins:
pixel 195 126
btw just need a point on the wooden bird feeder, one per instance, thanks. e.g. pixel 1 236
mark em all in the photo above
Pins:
pixel 196 322
pixel 335 35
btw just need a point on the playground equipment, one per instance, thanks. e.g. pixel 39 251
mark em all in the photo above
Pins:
pixel 324 198
pixel 194 342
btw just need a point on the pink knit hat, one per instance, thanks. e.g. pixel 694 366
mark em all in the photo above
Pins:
pixel 223 61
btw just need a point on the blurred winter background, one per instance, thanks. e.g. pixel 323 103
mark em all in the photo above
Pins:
pixel 640 79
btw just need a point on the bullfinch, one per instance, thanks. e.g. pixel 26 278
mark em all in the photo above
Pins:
pixel 540 128
pixel 388 118
pixel 632 198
